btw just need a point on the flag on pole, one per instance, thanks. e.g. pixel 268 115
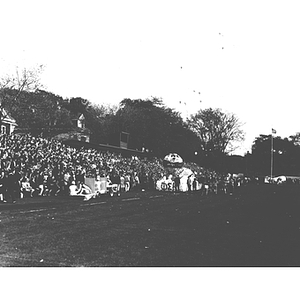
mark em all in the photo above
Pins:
pixel 273 131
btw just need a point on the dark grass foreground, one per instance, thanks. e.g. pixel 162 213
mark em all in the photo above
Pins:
pixel 257 226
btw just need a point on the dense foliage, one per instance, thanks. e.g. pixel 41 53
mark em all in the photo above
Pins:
pixel 216 130
pixel 154 127
pixel 286 156
pixel 38 111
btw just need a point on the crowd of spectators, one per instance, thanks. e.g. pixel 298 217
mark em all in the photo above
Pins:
pixel 35 166
pixel 38 166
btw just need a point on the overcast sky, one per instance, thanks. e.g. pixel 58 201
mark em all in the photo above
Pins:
pixel 240 56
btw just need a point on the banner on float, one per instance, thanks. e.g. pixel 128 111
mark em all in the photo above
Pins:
pixel 167 184
pixel 97 186
pixel 90 182
pixel 102 185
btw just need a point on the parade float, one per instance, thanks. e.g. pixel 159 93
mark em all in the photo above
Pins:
pixel 174 168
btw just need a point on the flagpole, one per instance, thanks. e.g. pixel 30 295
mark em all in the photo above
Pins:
pixel 272 158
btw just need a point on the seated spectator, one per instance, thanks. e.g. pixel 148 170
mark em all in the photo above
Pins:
pixel 73 189
pixel 52 186
pixel 85 190
pixel 81 189
pixel 26 188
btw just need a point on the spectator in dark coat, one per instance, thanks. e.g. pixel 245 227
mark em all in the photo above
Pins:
pixel 115 179
pixel 177 183
pixel 11 186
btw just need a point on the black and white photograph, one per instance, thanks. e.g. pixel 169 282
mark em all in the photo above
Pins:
pixel 150 145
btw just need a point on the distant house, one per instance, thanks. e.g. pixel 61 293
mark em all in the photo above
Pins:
pixel 79 133
pixel 8 124
pixel 78 120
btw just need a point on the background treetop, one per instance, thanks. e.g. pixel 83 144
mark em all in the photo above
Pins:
pixel 218 131
pixel 23 80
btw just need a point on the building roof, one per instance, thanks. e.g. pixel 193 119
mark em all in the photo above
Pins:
pixel 6 118
pixel 77 116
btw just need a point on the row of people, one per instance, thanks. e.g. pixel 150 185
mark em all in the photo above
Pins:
pixel 212 184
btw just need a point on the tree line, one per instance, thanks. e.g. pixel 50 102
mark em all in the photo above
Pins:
pixel 152 126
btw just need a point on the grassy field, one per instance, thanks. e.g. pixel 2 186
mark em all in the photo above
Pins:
pixel 257 226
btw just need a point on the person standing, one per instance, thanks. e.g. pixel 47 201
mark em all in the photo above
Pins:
pixel 177 183
pixel 2 188
pixel 11 185
pixel 127 182
pixel 122 182
pixel 189 183
pixel 115 180
pixel 195 184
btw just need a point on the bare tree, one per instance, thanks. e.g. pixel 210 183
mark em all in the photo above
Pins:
pixel 217 131
pixel 23 80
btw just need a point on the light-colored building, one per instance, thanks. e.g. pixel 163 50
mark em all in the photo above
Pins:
pixel 8 124
pixel 79 120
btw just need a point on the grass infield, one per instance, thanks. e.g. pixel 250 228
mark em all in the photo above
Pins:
pixel 259 225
